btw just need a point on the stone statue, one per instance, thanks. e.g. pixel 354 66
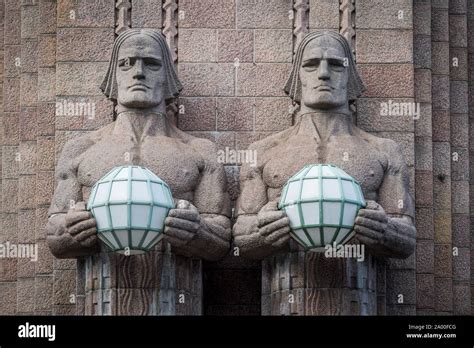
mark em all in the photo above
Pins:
pixel 141 79
pixel 323 81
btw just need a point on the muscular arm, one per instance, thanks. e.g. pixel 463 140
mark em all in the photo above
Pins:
pixel 257 218
pixel 67 193
pixel 212 238
pixel 395 203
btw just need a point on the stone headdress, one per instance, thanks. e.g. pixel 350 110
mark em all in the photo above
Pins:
pixel 172 84
pixel 355 85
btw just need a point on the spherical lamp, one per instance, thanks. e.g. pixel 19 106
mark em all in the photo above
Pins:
pixel 130 204
pixel 321 202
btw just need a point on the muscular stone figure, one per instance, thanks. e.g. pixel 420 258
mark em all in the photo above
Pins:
pixel 323 81
pixel 141 78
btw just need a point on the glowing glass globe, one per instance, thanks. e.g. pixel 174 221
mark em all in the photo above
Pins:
pixel 321 202
pixel 130 204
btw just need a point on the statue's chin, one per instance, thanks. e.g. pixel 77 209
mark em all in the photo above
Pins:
pixel 139 103
pixel 322 105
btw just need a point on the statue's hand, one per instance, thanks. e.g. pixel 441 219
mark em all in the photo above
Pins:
pixel 182 223
pixel 370 224
pixel 81 225
pixel 273 225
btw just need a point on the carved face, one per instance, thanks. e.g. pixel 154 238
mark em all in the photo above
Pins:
pixel 323 74
pixel 140 73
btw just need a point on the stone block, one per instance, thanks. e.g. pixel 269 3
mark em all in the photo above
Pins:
pixel 401 282
pixel 268 14
pixel 84 44
pixel 41 221
pixel 424 256
pixel 272 114
pixel 461 299
pixel 11 94
pixel 26 192
pixel 441 126
pixel 461 230
pixel 443 294
pixel 46 153
pixel 197 45
pixel 29 55
pixel 235 45
pixel 440 92
pixel 10 195
pixel 459 65
pixel 459 97
pixel 423 154
pixel 44 265
pixel 422 51
pixel 27 124
pixel 397 80
pixel 422 17
pixel 8 300
pixel 25 268
pixel 207 79
pixel 323 14
pixel 12 31
pixel 261 80
pixel 439 25
pixel 384 46
pixel 425 291
pixel 47 50
pixel 27 158
pixel 45 119
pixel 146 13
pixel 12 61
pixel 235 114
pixel 26 226
pixel 207 14
pixel 199 114
pixel 244 139
pixel 424 223
pixel 443 260
pixel 10 162
pixel 460 164
pixel 44 293
pixel 82 78
pixel 457 31
pixel 29 22
pixel 406 141
pixel 12 5
pixel 460 197
pixel 442 226
pixel 424 188
pixel 371 117
pixel 458 6
pixel 11 128
pixel 85 13
pixel 29 89
pixel 423 85
pixel 380 14
pixel 273 45
pixel 460 130
pixel 440 58
pixel 47 15
pixel 44 187
pixel 462 264
pixel 64 286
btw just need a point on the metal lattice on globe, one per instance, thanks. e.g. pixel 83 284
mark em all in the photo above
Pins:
pixel 130 204
pixel 321 202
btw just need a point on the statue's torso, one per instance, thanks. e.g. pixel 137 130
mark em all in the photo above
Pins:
pixel 175 162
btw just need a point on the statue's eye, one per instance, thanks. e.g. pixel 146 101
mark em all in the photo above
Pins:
pixel 311 64
pixel 152 63
pixel 336 64
pixel 126 63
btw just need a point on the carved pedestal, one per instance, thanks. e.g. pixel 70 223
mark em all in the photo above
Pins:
pixel 156 283
pixel 308 283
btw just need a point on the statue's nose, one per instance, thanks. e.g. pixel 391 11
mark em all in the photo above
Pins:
pixel 323 71
pixel 138 69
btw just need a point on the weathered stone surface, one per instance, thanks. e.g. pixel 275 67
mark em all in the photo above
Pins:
pixel 459 97
pixel 197 45
pixel 47 51
pixel 11 94
pixel 12 29
pixel 10 195
pixel 440 92
pixel 422 51
pixel 44 293
pixel 423 85
pixel 146 13
pixel 8 299
pixel 380 14
pixel 461 230
pixel 27 124
pixel 272 114
pixel 461 299
pixel 47 15
pixel 323 14
pixel 12 61
pixel 423 153
pixel 424 291
pixel 460 164
pixel 397 80
pixel 440 63
pixel 255 14
pixel 441 126
pixel 384 46
pixel 10 162
pixel 45 153
pixel 424 256
pixel 44 187
pixel 439 25
pixel 371 118
pixel 29 89
pixel 11 129
pixel 424 223
pixel 442 226
pixel 273 45
pixel 84 13
pixel 462 264
pixel 406 142
pixel 207 14
pixel 235 46
pixel 199 114
pixel 457 31
pixel 235 114
pixel 79 78
pixel 45 119
pixel 422 17
pixel 29 22
pixel 28 157
pixel 261 80
pixel 424 188
pixel 207 79
pixel 459 66
pixel 443 259
pixel 403 283
pixel 64 286
pixel 84 44
pixel 460 200
pixel 443 294
pixel 27 192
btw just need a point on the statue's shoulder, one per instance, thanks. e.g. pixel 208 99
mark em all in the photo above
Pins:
pixel 205 147
pixel 391 150
pixel 270 142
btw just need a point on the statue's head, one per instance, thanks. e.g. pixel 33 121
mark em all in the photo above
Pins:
pixel 141 73
pixel 324 74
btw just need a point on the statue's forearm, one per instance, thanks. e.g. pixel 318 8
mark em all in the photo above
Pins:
pixel 212 241
pixel 249 241
pixel 398 240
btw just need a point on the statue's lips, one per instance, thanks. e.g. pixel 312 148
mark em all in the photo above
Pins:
pixel 138 87
pixel 323 88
